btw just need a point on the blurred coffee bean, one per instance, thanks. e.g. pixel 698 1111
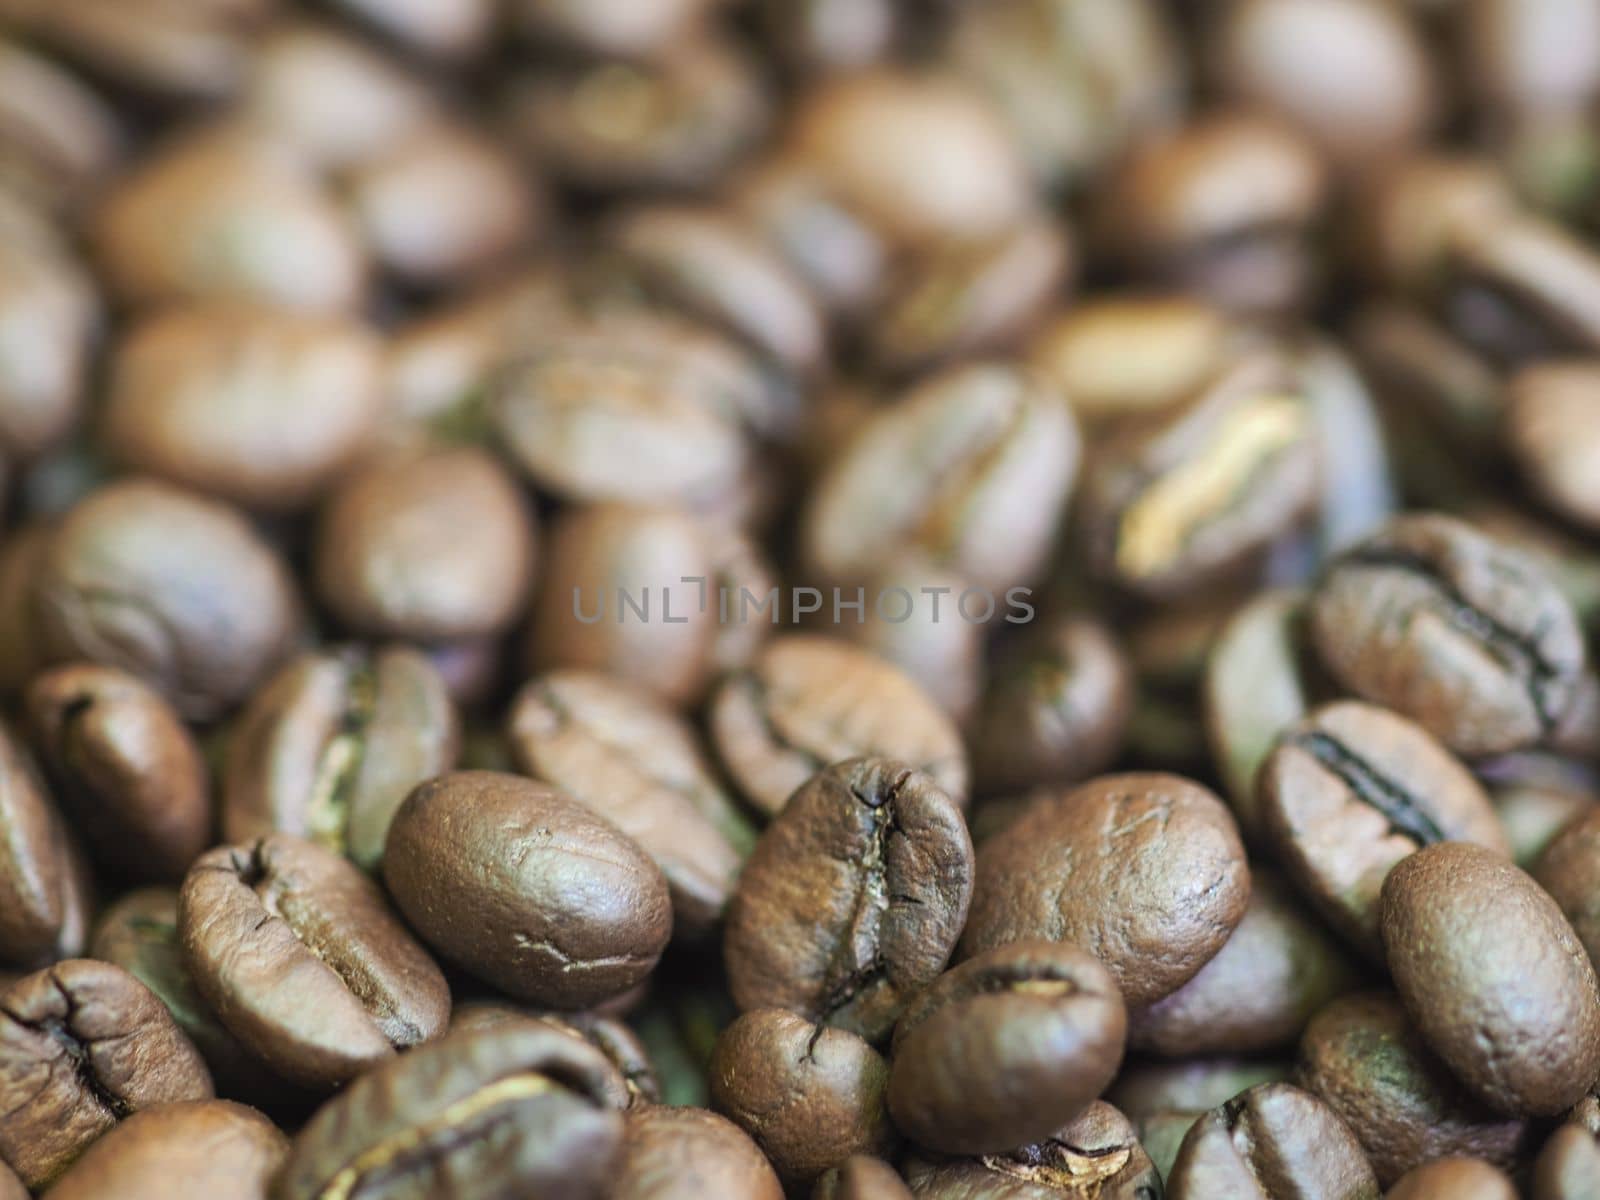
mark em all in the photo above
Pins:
pixel 59 138
pixel 44 877
pixel 447 29
pixel 1454 1179
pixel 689 1154
pixel 861 1177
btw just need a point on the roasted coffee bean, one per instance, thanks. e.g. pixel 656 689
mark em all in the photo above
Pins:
pixel 45 890
pixel 1056 708
pixel 1164 1100
pixel 1569 870
pixel 1454 1179
pixel 83 1044
pixel 11 1188
pixel 853 898
pixel 1350 791
pixel 1552 434
pixel 452 30
pixel 526 888
pixel 329 747
pixel 861 1178
pixel 1046 1022
pixel 1275 1142
pixel 1494 977
pixel 1144 871
pixel 431 546
pixel 806 701
pixel 982 459
pixel 689 1154
pixel 1364 1059
pixel 125 767
pixel 623 755
pixel 1568 1167
pixel 610 1036
pixel 1096 1157
pixel 1535 797
pixel 165 585
pixel 1277 969
pixel 810 1096
pixel 195 1150
pixel 1448 627
pixel 516 1110
pixel 300 956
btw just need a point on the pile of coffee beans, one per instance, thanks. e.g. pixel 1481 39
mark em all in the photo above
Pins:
pixel 799 599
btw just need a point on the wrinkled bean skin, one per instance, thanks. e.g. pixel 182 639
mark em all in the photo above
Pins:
pixel 1494 977
pixel 1363 1058
pixel 125 765
pixel 1145 871
pixel 329 747
pixel 1006 1048
pixel 1274 1142
pixel 810 1096
pixel 197 1150
pixel 1350 791
pixel 689 1154
pixel 807 701
pixel 517 1110
pixel 526 888
pixel 1569 870
pixel 853 898
pixel 861 1178
pixel 44 881
pixel 300 956
pixel 82 1045
pixel 1448 627
pixel 1454 1179
pixel 1097 1157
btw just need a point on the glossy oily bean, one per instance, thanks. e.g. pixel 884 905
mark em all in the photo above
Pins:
pixel 168 586
pixel 196 1150
pixel 84 1044
pixel 1494 977
pixel 1277 969
pixel 329 747
pixel 1454 1179
pixel 810 1096
pixel 806 701
pixel 1056 708
pixel 1452 629
pixel 45 896
pixel 1569 870
pixel 125 766
pixel 300 956
pixel 1207 491
pixel 1096 1157
pixel 1363 1057
pixel 689 1154
pixel 1568 1167
pixel 861 1178
pixel 431 546
pixel 1006 1048
pixel 526 888
pixel 1350 791
pixel 623 755
pixel 1275 1142
pixel 633 1080
pixel 1144 871
pixel 520 1110
pixel 853 899
pixel 981 460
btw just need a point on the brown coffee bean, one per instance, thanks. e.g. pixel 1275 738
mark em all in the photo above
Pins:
pixel 195 1150
pixel 1569 870
pixel 1273 1141
pixel 329 747
pixel 84 1044
pixel 11 1188
pixel 609 1035
pixel 810 1096
pixel 636 763
pixel 1494 977
pixel 689 1154
pixel 1454 1179
pixel 981 460
pixel 125 766
pixel 806 701
pixel 1192 1086
pixel 62 139
pixel 451 30
pixel 1552 434
pixel 299 955
pixel 1277 969
pixel 493 1112
pixel 1144 871
pixel 1097 1157
pixel 1364 1059
pixel 1046 1022
pixel 853 899
pixel 526 888
pixel 861 1178
pixel 1535 797
pixel 1448 627
pixel 1350 791
pixel 1568 1167
pixel 432 546
pixel 165 585
pixel 45 890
